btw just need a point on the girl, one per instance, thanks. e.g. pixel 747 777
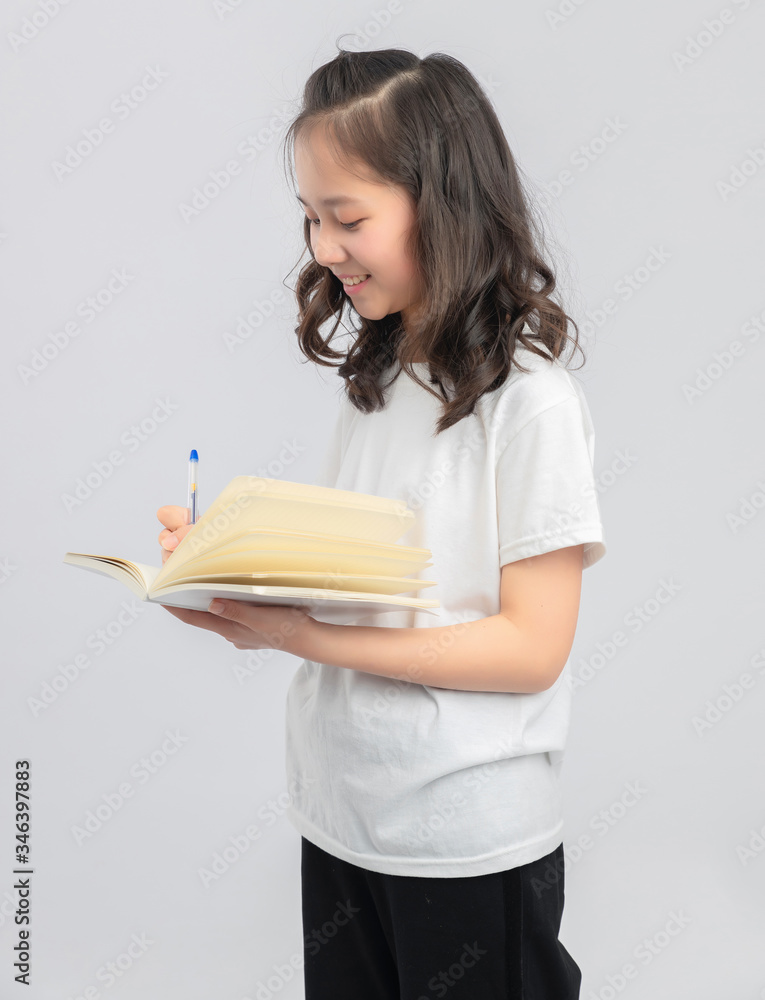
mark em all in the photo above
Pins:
pixel 423 762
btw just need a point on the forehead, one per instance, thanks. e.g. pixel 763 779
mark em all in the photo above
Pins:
pixel 323 178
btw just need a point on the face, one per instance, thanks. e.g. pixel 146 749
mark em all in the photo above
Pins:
pixel 362 234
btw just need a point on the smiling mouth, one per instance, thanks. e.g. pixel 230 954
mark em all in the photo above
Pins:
pixel 355 280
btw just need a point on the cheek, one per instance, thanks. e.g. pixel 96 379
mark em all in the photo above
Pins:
pixel 406 272
pixel 393 261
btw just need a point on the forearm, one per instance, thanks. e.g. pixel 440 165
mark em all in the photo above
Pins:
pixel 489 654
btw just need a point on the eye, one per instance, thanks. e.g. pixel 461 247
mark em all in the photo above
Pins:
pixel 345 225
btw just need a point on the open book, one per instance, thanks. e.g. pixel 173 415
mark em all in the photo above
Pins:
pixel 266 541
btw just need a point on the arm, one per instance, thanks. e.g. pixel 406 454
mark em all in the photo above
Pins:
pixel 521 649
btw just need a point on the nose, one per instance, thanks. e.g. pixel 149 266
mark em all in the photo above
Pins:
pixel 326 250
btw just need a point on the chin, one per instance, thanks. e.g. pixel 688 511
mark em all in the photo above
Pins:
pixel 371 313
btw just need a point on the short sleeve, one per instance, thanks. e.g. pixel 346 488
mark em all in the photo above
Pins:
pixel 546 495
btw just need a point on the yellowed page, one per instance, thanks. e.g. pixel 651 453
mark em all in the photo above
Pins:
pixel 139 577
pixel 361 582
pixel 245 510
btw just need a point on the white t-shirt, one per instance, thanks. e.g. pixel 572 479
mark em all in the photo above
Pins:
pixel 408 779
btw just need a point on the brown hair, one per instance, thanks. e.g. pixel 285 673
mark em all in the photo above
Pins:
pixel 427 125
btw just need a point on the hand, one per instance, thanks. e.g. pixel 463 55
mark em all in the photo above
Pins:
pixel 176 528
pixel 247 626
pixel 255 626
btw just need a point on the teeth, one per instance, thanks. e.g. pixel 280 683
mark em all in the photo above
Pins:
pixel 357 279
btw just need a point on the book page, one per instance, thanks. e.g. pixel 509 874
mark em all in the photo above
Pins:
pixel 359 582
pixel 237 511
pixel 139 577
pixel 259 551
pixel 324 605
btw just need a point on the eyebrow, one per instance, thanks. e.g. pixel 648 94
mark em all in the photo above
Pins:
pixel 339 199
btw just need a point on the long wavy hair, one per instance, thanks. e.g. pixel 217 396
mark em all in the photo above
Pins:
pixel 427 125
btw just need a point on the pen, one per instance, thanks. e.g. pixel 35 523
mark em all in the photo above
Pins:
pixel 193 492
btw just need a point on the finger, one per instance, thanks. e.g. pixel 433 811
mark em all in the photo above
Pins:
pixel 172 516
pixel 255 617
pixel 201 619
pixel 239 635
pixel 170 539
pixel 181 613
pixel 164 535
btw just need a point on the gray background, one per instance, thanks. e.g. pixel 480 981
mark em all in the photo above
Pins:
pixel 661 900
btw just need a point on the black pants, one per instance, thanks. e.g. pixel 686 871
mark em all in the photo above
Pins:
pixel 370 936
